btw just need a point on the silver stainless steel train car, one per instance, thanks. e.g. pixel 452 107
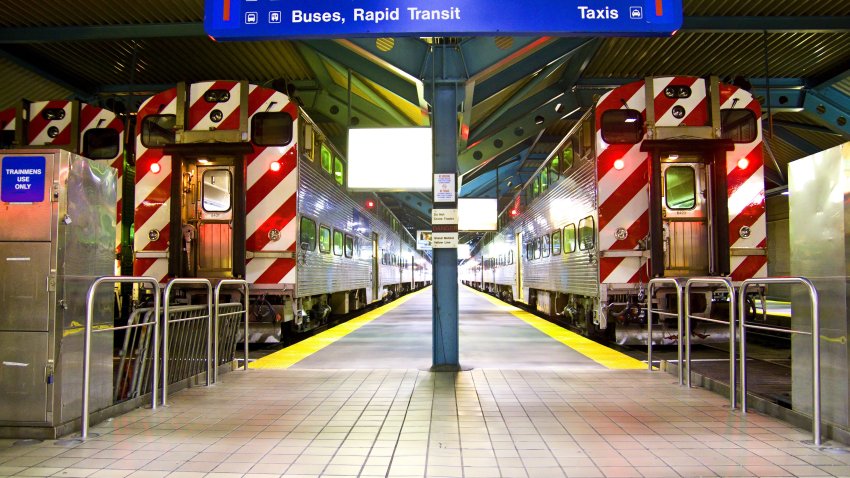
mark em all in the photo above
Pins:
pixel 235 181
pixel 663 178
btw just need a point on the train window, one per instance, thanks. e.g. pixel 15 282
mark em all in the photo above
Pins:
pixel 529 250
pixel 324 239
pixel 349 246
pixel 308 234
pixel 101 143
pixel 566 158
pixel 545 246
pixel 739 125
pixel 327 158
pixel 217 190
pixel 510 257
pixel 339 171
pixel 535 187
pixel 680 187
pixel 538 247
pixel 556 243
pixel 271 129
pixel 622 126
pixel 569 238
pixel 586 236
pixel 544 181
pixel 158 130
pixel 337 242
pixel 554 169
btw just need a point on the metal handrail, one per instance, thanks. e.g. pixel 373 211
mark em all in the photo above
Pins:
pixel 165 313
pixel 727 283
pixel 244 286
pixel 677 283
pixel 815 333
pixel 84 419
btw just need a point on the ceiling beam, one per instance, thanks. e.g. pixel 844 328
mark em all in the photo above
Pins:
pixel 28 35
pixel 42 68
pixel 831 108
pixel 744 24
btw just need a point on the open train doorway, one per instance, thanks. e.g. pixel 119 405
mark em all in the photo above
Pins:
pixel 685 211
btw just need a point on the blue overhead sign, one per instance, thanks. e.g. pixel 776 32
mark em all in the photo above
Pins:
pixel 293 19
pixel 22 179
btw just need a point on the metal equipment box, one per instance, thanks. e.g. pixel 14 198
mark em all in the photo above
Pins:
pixel 819 233
pixel 57 234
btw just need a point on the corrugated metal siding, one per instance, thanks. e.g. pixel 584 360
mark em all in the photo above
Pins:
pixel 19 84
pixel 568 201
pixel 843 86
pixel 320 199
pixel 722 54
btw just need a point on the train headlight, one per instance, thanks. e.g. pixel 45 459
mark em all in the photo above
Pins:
pixel 53 131
pixel 621 234
pixel 216 116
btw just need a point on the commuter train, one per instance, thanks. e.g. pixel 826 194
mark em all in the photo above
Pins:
pixel 662 178
pixel 80 128
pixel 233 180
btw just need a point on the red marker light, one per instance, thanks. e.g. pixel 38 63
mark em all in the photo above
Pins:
pixel 370 204
pixel 274 166
pixel 619 164
pixel 514 212
pixel 155 168
pixel 743 163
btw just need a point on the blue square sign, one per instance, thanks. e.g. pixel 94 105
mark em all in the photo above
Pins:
pixel 22 179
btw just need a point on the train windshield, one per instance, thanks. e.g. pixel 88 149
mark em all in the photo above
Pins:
pixel 158 130
pixel 217 190
pixel 680 185
pixel 101 143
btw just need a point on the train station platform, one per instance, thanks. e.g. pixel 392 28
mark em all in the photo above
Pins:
pixel 533 400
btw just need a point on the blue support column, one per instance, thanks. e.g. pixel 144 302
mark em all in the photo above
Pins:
pixel 445 294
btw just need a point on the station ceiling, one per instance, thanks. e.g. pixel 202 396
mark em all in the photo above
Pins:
pixel 792 54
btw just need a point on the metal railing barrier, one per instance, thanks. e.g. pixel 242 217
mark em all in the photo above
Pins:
pixel 84 427
pixel 727 283
pixel 243 285
pixel 181 318
pixel 815 333
pixel 678 284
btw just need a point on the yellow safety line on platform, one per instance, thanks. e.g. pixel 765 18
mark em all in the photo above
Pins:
pixel 295 353
pixel 598 353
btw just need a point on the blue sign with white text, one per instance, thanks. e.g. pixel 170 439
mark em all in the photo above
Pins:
pixel 22 179
pixel 292 19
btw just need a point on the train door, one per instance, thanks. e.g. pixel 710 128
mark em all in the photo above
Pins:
pixel 207 217
pixel 376 284
pixel 685 209
pixel 518 261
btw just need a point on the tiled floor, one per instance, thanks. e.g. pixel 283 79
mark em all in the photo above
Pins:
pixel 400 423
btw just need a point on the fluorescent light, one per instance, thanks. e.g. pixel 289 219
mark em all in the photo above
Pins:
pixel 390 159
pixel 477 214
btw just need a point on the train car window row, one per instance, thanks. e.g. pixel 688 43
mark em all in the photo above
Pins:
pixel 327 158
pixel 324 239
pixel 272 129
pixel 307 236
pixel 337 242
pixel 349 246
pixel 561 241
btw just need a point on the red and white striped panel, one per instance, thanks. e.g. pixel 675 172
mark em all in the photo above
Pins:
pixel 200 109
pixel 746 191
pixel 39 127
pixel 92 117
pixel 271 196
pixel 7 119
pixel 624 194
pixel 153 193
